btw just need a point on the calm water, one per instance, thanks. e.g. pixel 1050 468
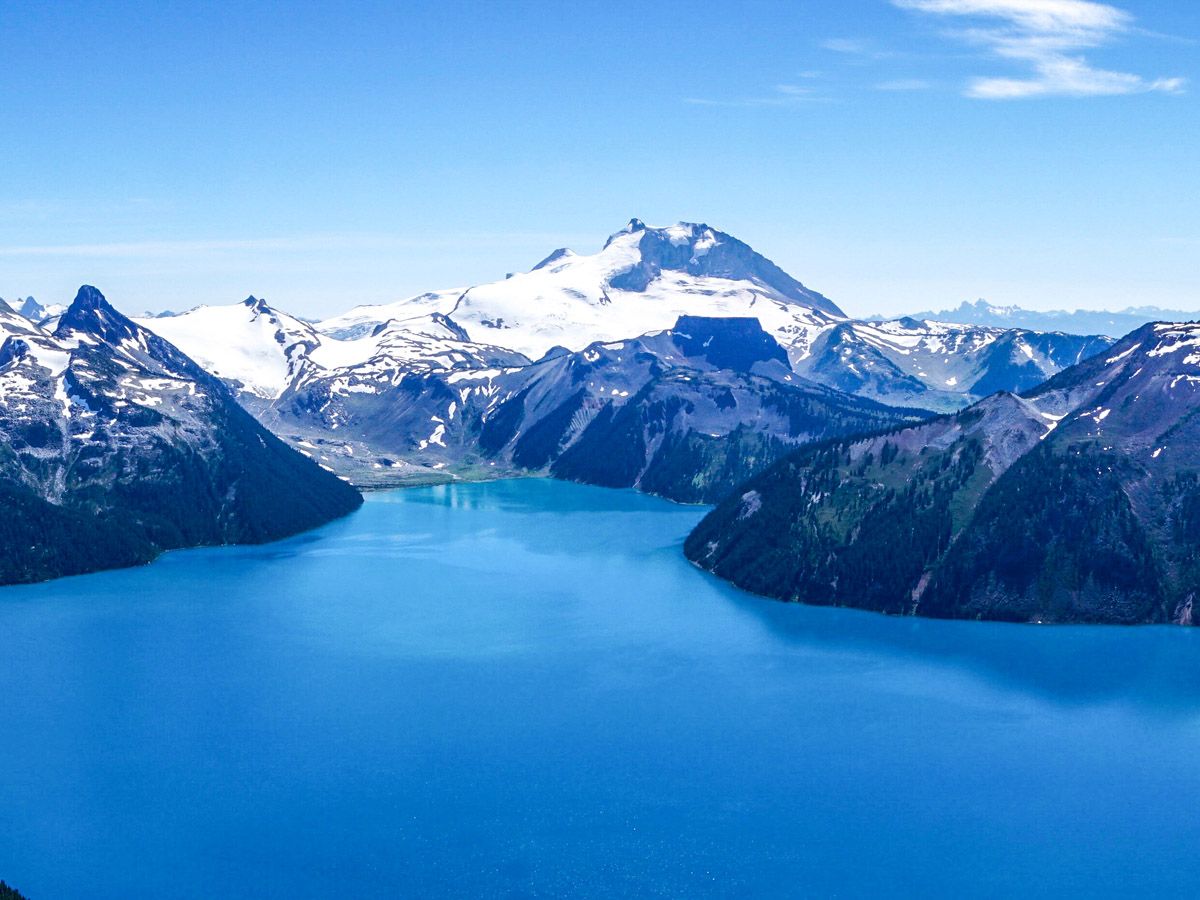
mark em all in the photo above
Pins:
pixel 520 689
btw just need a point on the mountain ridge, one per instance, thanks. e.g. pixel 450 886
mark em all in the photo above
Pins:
pixel 1078 501
pixel 641 281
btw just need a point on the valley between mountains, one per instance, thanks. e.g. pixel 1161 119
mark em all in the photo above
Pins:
pixel 907 466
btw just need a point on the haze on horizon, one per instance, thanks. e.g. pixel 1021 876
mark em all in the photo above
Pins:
pixel 895 155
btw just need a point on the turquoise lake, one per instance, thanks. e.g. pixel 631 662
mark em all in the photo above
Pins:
pixel 521 689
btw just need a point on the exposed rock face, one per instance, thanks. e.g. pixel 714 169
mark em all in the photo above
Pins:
pixel 1076 502
pixel 734 344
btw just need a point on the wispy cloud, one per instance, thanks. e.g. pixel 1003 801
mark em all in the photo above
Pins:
pixel 904 84
pixel 858 51
pixel 1049 37
pixel 781 95
pixel 849 46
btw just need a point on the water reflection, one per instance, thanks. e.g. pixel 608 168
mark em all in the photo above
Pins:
pixel 1155 667
pixel 545 496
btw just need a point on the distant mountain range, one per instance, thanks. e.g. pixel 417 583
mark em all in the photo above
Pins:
pixel 938 366
pixel 1078 501
pixel 1081 321
pixel 30 309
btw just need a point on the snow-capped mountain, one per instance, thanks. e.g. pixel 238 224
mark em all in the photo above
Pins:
pixel 377 386
pixel 645 278
pixel 687 413
pixel 118 446
pixel 260 351
pixel 642 280
pixel 431 343
pixel 250 345
pixel 12 322
pixel 1076 501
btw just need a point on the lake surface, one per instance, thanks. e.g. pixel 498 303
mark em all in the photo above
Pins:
pixel 522 689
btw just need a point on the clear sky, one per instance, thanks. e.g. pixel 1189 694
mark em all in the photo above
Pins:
pixel 893 154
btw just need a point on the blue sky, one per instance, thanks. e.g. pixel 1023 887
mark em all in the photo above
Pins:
pixel 893 154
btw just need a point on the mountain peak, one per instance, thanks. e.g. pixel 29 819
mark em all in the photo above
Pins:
pixel 89 299
pixel 703 251
pixel 633 226
pixel 256 304
pixel 90 313
pixel 31 309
